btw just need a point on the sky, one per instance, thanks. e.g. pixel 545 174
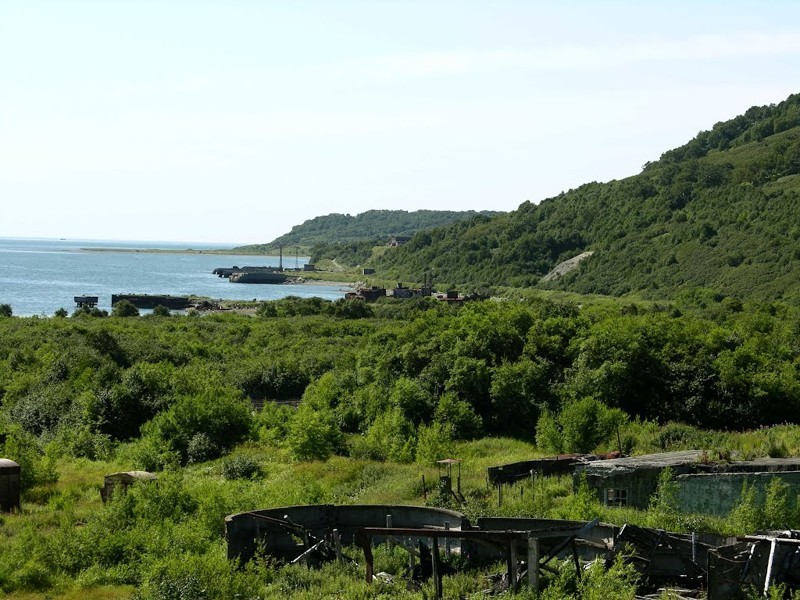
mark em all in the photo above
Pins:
pixel 232 121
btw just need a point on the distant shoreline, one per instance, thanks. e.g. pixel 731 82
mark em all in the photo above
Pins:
pixel 221 251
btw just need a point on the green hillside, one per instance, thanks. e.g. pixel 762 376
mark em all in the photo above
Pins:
pixel 722 212
pixel 373 225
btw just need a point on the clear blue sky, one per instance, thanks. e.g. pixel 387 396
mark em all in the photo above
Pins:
pixel 231 121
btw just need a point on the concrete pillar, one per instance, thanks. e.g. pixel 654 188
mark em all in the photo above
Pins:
pixel 533 562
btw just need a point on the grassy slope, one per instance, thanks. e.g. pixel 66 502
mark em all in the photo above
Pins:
pixel 73 504
pixel 725 218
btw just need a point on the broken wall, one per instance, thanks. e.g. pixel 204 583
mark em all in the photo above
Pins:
pixel 246 531
pixel 718 493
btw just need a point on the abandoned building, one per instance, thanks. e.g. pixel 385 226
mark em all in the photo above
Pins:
pixel 9 485
pixel 287 531
pixel 399 240
pixel 703 486
pixel 561 464
pixel 725 567
pixel 367 294
pixel 118 483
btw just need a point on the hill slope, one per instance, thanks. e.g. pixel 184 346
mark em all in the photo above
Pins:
pixel 722 211
pixel 371 225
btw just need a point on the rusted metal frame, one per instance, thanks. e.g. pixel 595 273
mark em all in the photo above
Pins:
pixel 293 527
pixel 307 552
pixel 407 545
pixel 770 562
pixel 476 534
pixel 509 538
pixel 649 559
pixel 576 559
pixel 555 551
pixel 362 540
pixel 437 567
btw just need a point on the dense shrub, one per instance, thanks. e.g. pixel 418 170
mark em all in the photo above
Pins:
pixel 124 308
pixel 313 434
pixel 390 437
pixel 581 426
pixel 219 416
pixel 240 467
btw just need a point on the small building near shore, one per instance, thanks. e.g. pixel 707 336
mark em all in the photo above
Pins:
pixel 9 485
pixel 703 486
pixel 368 294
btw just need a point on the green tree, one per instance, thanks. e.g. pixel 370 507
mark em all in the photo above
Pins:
pixel 778 509
pixel 161 311
pixel 587 423
pixel 434 442
pixel 415 402
pixel 390 437
pixel 124 308
pixel 548 433
pixel 218 413
pixel 516 390
pixel 313 434
pixel 5 310
pixel 459 416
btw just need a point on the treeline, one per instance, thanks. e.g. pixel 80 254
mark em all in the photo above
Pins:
pixel 721 212
pixel 395 380
pixel 378 225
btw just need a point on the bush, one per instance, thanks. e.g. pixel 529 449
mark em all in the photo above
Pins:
pixel 587 423
pixel 664 510
pixel 313 434
pixel 581 426
pixel 390 437
pixel 459 415
pixel 219 414
pixel 747 516
pixel 548 433
pixel 124 308
pixel 150 454
pixel 240 467
pixel 201 449
pixel 434 442
pixel 36 468
pixel 161 311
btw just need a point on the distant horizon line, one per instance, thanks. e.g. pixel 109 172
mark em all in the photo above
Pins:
pixel 220 245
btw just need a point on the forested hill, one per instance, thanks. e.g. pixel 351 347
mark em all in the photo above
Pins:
pixel 371 225
pixel 722 212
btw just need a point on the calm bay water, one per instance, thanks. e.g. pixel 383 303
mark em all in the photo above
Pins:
pixel 37 277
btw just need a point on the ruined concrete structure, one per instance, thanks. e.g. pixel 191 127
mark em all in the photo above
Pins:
pixel 725 567
pixel 756 561
pixel 9 485
pixel 703 486
pixel 287 532
pixel 561 464
pixel 118 483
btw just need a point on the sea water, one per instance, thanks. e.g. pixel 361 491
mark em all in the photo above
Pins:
pixel 39 276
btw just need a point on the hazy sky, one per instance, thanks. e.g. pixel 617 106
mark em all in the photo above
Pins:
pixel 231 121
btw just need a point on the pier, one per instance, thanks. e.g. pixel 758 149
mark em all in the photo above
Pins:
pixel 87 301
pixel 149 301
